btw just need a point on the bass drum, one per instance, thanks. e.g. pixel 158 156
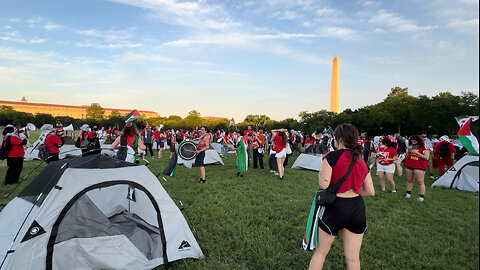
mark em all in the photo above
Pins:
pixel 186 150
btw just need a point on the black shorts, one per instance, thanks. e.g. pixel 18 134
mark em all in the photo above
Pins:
pixel 344 213
pixel 408 168
pixel 199 159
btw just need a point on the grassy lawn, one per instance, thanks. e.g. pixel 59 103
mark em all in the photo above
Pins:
pixel 258 221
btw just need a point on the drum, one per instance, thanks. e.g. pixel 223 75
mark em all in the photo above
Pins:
pixel 186 150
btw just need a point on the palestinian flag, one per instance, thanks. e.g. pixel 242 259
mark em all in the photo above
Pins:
pixel 468 135
pixel 461 120
pixel 242 155
pixel 310 238
pixel 171 168
pixel 134 115
pixel 232 122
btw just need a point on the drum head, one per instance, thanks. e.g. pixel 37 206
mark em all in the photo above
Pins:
pixel 186 150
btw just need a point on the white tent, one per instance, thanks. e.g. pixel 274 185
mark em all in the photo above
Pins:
pixel 308 162
pixel 67 150
pixel 94 212
pixel 463 175
pixel 211 158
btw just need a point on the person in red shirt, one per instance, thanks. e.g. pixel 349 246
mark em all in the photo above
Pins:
pixel 444 150
pixel 257 147
pixel 129 140
pixel 16 151
pixel 347 214
pixel 416 162
pixel 280 140
pixel 386 156
pixel 53 144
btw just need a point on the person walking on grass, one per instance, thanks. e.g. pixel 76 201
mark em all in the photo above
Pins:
pixel 416 162
pixel 347 214
pixel 280 141
pixel 203 145
pixel 386 156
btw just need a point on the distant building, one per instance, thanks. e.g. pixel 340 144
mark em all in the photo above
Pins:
pixel 79 112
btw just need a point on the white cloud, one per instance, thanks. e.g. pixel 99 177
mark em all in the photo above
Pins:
pixel 193 14
pixel 16 20
pixel 110 39
pixel 32 22
pixel 339 32
pixel 397 23
pixel 467 26
pixel 52 26
pixel 15 36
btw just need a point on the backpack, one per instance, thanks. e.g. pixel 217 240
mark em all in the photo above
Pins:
pixel 179 138
pixel 43 152
pixel 169 140
pixel 5 148
pixel 445 150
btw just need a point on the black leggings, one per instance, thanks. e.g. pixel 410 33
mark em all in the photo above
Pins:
pixel 15 166
pixel 257 156
pixel 148 147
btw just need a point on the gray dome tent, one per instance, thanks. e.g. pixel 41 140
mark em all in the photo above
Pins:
pixel 94 212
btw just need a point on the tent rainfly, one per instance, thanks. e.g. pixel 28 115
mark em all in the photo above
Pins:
pixel 463 175
pixel 94 212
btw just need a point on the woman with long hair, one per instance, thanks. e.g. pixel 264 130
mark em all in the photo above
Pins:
pixel 416 164
pixel 280 139
pixel 347 214
pixel 130 138
pixel 386 156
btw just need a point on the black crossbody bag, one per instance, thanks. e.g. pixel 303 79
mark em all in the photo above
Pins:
pixel 325 197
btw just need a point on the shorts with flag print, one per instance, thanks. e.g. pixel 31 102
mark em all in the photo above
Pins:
pixel 344 213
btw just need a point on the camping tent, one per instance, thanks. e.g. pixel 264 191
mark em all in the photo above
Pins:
pixel 463 175
pixel 308 162
pixel 211 157
pixel 94 212
pixel 67 150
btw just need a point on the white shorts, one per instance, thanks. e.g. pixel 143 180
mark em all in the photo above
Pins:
pixel 386 168
pixel 282 153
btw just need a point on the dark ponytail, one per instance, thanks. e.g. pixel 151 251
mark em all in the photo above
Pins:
pixel 348 133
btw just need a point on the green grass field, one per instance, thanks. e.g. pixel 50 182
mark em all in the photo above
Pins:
pixel 258 221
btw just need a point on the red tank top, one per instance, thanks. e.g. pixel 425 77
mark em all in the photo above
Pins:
pixel 415 162
pixel 340 160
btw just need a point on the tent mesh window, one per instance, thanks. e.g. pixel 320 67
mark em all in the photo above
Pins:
pixel 114 210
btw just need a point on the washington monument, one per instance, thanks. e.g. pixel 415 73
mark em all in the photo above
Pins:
pixel 335 92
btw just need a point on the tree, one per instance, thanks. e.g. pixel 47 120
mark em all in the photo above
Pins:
pixel 114 114
pixel 257 120
pixel 95 112
pixel 396 108
pixel 194 112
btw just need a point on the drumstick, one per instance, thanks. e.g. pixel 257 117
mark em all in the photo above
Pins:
pixel 188 150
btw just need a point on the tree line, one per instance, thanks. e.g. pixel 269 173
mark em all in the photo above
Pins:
pixel 398 112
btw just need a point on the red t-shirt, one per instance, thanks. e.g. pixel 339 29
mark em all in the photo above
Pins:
pixel 279 144
pixel 340 161
pixel 156 134
pixel 413 161
pixel 16 149
pixel 52 143
pixel 247 132
pixel 386 153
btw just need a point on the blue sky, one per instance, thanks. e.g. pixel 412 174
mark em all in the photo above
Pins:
pixel 232 58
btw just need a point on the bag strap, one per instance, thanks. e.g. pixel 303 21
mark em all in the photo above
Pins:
pixel 337 185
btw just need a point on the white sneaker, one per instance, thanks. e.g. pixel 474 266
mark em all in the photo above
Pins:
pixel 394 191
pixel 432 177
pixel 420 199
pixel 408 196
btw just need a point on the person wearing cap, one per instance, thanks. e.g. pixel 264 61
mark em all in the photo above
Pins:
pixel 16 151
pixel 443 152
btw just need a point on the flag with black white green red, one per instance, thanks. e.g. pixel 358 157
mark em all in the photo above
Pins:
pixel 134 115
pixel 461 120
pixel 171 168
pixel 468 135
pixel 232 122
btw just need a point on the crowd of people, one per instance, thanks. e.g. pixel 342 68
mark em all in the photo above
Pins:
pixel 341 148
